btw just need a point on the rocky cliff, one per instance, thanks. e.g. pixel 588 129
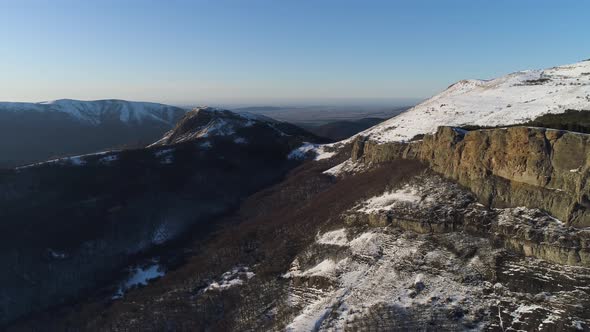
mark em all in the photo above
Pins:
pixel 517 166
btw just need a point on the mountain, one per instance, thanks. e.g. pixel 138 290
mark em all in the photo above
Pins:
pixel 97 112
pixel 71 224
pixel 435 220
pixel 207 121
pixel 516 98
pixel 32 132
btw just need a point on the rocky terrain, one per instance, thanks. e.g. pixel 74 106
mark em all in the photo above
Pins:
pixel 401 248
pixel 525 166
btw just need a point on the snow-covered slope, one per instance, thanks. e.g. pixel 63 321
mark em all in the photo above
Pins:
pixel 206 121
pixel 97 111
pixel 511 99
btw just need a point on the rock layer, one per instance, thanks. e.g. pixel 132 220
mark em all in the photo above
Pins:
pixel 517 166
pixel 431 205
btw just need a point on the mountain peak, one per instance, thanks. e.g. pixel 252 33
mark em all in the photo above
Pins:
pixel 205 121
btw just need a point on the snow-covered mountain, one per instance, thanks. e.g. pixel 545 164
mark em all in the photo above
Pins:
pixel 213 123
pixel 33 132
pixel 98 111
pixel 208 121
pixel 512 99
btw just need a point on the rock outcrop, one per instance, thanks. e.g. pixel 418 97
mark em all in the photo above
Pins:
pixel 430 204
pixel 505 167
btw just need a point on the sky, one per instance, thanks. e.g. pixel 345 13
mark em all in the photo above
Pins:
pixel 276 52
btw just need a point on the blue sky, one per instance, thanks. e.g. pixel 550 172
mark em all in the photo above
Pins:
pixel 276 51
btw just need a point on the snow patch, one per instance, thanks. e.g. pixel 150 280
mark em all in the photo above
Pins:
pixel 235 277
pixel 140 276
pixel 387 200
pixel 318 150
pixel 108 159
pixel 325 268
pixel 348 166
pixel 57 254
pixel 79 160
pixel 337 238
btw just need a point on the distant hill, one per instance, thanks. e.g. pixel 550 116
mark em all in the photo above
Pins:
pixel 31 132
pixel 339 130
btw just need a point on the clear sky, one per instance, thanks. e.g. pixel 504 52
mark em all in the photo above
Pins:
pixel 276 51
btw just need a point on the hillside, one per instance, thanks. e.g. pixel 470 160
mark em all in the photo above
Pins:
pixel 74 224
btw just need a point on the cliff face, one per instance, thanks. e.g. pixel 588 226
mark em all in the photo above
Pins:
pixel 518 166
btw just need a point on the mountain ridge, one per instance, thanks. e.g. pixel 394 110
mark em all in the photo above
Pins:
pixel 94 111
pixel 33 132
pixel 511 99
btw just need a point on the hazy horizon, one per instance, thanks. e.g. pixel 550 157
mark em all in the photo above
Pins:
pixel 270 53
pixel 370 103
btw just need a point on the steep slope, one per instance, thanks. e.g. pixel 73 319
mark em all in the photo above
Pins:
pixel 206 122
pixel 32 132
pixel 512 99
pixel 317 253
pixel 71 224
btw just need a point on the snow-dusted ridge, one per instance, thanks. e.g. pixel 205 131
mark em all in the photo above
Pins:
pixel 205 121
pixel 515 98
pixel 79 160
pixel 96 111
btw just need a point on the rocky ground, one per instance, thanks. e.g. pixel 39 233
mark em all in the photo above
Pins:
pixel 381 277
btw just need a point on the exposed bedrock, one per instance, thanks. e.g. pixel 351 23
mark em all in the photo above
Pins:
pixel 430 204
pixel 505 167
